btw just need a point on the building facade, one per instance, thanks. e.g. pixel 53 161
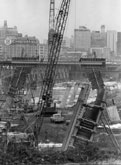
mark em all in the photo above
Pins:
pixel 22 47
pixel 112 41
pixel 99 38
pixel 82 39
pixel 13 44
pixel 119 44
pixel 43 51
pixel 99 43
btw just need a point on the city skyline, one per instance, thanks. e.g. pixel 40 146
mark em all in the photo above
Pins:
pixel 33 18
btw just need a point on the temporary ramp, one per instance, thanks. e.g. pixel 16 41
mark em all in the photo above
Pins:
pixel 78 109
pixel 96 80
pixel 86 117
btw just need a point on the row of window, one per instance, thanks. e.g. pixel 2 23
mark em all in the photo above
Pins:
pixel 25 42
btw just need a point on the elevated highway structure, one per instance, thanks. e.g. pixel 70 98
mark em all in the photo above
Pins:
pixel 66 70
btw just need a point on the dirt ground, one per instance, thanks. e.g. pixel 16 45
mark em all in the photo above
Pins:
pixel 100 152
pixel 22 155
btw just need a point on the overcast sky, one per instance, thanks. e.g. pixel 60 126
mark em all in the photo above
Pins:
pixel 32 16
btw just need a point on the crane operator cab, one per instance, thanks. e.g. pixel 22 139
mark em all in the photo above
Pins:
pixel 50 107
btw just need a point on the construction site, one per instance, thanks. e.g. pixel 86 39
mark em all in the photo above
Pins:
pixel 59 123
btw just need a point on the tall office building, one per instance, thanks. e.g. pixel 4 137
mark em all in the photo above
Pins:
pixel 112 41
pixel 119 43
pixel 82 39
pixel 99 42
pixel 99 38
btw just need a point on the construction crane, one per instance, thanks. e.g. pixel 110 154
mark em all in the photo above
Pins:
pixel 52 15
pixel 50 34
pixel 50 72
pixel 51 24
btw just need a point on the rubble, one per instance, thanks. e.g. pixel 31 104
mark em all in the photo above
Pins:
pixel 22 155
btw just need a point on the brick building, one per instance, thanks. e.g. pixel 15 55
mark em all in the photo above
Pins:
pixel 13 43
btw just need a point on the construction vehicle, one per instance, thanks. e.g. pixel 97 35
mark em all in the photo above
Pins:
pixel 57 118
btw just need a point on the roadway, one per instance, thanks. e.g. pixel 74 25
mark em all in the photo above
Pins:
pixel 38 63
pixel 71 70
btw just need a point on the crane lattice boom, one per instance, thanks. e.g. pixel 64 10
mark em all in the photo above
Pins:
pixel 52 15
